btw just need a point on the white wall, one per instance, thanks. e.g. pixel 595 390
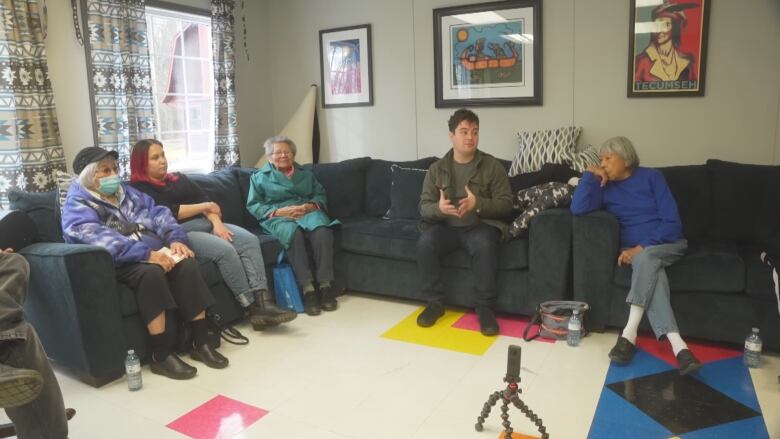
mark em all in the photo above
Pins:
pixel 584 77
pixel 584 82
pixel 68 73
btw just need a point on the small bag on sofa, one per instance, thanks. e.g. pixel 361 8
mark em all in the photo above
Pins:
pixel 553 319
pixel 285 286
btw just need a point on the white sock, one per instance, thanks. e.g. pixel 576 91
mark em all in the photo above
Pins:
pixel 634 317
pixel 677 342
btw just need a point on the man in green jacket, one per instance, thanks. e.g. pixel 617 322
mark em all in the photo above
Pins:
pixel 465 198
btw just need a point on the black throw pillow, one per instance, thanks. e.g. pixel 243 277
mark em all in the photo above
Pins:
pixel 405 192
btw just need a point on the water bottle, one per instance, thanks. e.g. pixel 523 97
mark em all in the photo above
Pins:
pixel 575 329
pixel 133 369
pixel 753 345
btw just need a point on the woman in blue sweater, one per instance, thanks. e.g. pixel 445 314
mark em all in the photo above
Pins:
pixel 651 239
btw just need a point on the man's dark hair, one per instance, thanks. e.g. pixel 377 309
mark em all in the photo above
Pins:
pixel 461 115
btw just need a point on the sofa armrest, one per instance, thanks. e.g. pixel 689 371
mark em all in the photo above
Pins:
pixel 74 304
pixel 595 243
pixel 549 248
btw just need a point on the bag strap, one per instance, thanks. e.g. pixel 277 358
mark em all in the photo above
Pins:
pixel 536 320
pixel 280 257
pixel 229 333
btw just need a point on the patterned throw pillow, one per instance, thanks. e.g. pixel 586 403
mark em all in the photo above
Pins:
pixel 64 180
pixel 579 161
pixel 536 148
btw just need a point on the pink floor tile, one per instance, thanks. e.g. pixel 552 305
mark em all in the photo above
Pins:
pixel 508 326
pixel 220 417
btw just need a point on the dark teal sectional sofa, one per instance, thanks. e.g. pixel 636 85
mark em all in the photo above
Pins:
pixel 721 288
pixel 87 321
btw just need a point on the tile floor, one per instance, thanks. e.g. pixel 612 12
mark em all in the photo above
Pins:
pixel 336 377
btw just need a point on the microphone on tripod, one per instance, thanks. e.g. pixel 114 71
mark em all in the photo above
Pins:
pixel 510 394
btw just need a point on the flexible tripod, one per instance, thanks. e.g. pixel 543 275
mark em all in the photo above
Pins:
pixel 510 394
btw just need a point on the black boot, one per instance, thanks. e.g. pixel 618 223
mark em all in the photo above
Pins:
pixel 311 303
pixel 328 298
pixel 263 313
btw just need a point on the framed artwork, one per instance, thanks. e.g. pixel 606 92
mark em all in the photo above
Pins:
pixel 667 47
pixel 345 67
pixel 488 54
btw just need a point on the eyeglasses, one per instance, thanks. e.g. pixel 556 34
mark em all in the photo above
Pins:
pixel 283 153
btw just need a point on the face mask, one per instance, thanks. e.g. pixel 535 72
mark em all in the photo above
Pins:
pixel 109 185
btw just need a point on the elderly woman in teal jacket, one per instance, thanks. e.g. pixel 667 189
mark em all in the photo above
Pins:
pixel 290 204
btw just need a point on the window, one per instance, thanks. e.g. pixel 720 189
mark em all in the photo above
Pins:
pixel 183 87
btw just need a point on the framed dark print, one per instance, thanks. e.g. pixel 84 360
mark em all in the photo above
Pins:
pixel 345 66
pixel 488 54
pixel 667 47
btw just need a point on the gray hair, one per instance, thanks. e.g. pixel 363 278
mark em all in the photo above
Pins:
pixel 87 177
pixel 269 144
pixel 622 147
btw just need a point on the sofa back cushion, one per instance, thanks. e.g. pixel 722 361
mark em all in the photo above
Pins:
pixel 44 210
pixel 690 187
pixel 738 197
pixel 379 179
pixel 345 186
pixel 242 176
pixel 405 192
pixel 222 188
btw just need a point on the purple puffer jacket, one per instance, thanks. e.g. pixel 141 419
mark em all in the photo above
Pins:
pixel 86 219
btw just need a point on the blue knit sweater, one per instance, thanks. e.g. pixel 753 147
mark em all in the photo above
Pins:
pixel 642 204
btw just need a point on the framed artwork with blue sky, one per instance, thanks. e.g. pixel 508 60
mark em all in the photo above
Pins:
pixel 488 54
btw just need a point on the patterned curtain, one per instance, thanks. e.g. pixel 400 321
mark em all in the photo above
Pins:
pixel 30 150
pixel 226 141
pixel 121 75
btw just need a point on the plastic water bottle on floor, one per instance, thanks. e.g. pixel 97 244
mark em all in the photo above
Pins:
pixel 753 345
pixel 133 369
pixel 575 329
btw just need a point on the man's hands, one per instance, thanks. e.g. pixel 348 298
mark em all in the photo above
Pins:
pixel 627 255
pixel 600 173
pixel 296 212
pixel 465 205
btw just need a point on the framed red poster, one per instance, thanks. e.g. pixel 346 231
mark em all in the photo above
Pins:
pixel 667 47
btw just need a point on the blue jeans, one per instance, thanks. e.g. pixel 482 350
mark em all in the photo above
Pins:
pixel 240 262
pixel 650 285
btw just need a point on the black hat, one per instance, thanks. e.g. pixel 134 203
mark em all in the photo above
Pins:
pixel 91 154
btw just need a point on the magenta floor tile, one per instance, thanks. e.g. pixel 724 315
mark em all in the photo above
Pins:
pixel 220 417
pixel 508 326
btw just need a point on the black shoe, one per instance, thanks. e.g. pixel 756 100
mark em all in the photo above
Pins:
pixel 264 314
pixel 209 356
pixel 430 314
pixel 487 321
pixel 173 367
pixel 311 303
pixel 687 362
pixel 328 299
pixel 623 351
pixel 18 386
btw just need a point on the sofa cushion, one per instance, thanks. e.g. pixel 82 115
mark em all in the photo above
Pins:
pixel 222 188
pixel 737 198
pixel 42 209
pixel 690 186
pixel 345 186
pixel 397 239
pixel 708 267
pixel 242 177
pixel 549 172
pixel 378 181
pixel 759 283
pixel 405 192
pixel 536 148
